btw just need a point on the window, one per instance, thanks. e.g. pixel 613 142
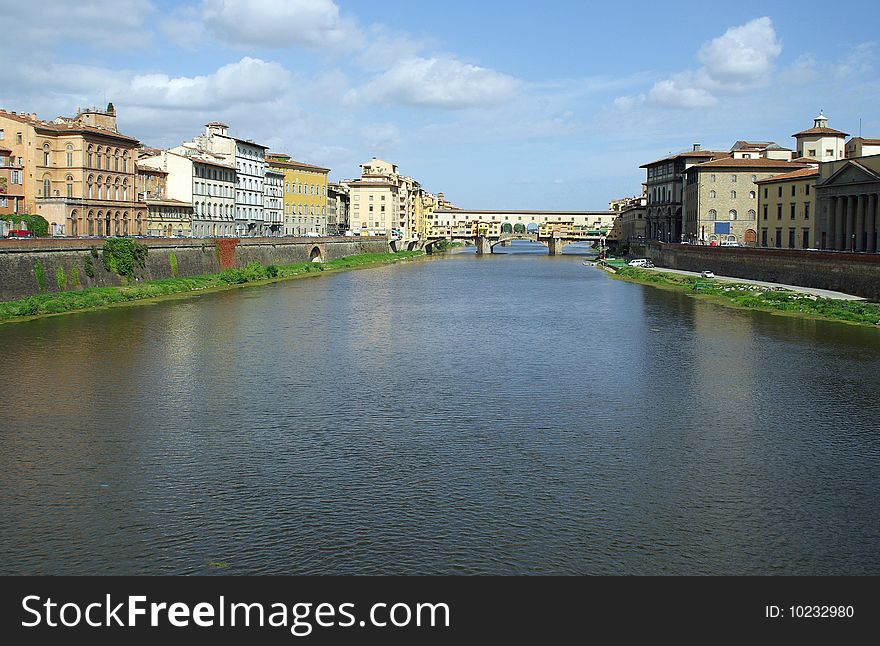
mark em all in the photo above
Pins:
pixel 807 189
pixel 751 195
pixel 732 195
pixel 712 194
pixel 18 137
pixel 733 178
pixel 791 238
pixel 47 187
pixel 778 211
pixel 69 186
pixel 70 155
pixel 792 209
pixel 45 154
pixel 763 237
pixel 829 152
pixel 732 214
pixel 806 239
pixel 778 238
pixel 812 152
pixel 793 189
pixel 2 136
pixel 712 178
pixel 806 210
pixel 754 178
pixel 765 211
pixel 779 192
pixel 751 214
pixel 713 214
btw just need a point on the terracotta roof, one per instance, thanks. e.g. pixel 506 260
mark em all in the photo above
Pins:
pixel 69 126
pixel 870 142
pixel 292 163
pixel 690 153
pixel 821 131
pixel 805 160
pixel 748 163
pixel 800 173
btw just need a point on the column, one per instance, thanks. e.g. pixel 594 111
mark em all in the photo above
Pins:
pixel 860 223
pixel 850 222
pixel 871 223
pixel 839 203
pixel 829 223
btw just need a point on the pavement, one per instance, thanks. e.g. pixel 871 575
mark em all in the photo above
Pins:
pixel 822 293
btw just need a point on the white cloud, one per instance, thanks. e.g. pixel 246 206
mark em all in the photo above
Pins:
pixel 98 23
pixel 279 24
pixel 740 60
pixel 439 82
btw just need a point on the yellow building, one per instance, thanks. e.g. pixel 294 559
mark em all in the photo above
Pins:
pixel 305 195
pixel 786 208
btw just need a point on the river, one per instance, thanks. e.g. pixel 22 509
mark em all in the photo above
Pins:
pixel 509 414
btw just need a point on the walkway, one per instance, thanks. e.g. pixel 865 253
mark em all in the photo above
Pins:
pixel 822 293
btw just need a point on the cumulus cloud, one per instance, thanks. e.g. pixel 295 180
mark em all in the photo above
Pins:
pixel 98 23
pixel 270 23
pixel 740 60
pixel 438 82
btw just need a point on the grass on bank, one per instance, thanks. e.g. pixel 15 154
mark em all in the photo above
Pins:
pixel 95 297
pixel 761 297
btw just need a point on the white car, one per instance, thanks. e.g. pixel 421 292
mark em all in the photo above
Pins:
pixel 707 274
pixel 639 262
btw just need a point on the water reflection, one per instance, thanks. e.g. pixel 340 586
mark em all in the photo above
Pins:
pixel 504 414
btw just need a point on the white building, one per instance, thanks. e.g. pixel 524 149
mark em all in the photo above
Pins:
pixel 273 202
pixel 249 161
pixel 204 180
pixel 821 143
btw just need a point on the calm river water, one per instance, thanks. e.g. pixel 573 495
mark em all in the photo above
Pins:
pixel 507 414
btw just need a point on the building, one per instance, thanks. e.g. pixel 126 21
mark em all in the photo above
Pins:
pixel 847 193
pixel 820 142
pixel 632 218
pixel 203 180
pixel 665 192
pixel 337 208
pixel 273 202
pixel 385 202
pixel 786 209
pixel 722 198
pixel 166 217
pixel 77 172
pixel 11 182
pixel 757 149
pixel 458 221
pixel 249 161
pixel 861 147
pixel 305 195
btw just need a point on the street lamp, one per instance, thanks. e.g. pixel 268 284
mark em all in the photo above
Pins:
pixel 853 243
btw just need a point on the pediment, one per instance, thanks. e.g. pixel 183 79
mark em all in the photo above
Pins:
pixel 852 173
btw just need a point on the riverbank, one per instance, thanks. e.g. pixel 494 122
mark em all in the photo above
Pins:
pixel 758 297
pixel 152 291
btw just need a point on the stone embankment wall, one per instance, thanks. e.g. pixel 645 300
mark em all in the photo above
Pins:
pixel 22 260
pixel 851 273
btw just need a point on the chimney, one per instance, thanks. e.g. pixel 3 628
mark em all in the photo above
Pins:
pixel 696 147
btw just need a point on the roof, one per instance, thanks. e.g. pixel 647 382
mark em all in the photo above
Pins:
pixel 68 126
pixel 690 153
pixel 805 160
pixel 4 150
pixel 284 161
pixel 761 162
pixel 821 131
pixel 869 142
pixel 800 173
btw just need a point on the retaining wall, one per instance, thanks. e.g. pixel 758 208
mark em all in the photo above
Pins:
pixel 20 258
pixel 851 273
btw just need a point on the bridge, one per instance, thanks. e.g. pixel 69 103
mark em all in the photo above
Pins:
pixel 486 241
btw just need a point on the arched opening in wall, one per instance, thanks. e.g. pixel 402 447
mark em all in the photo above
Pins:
pixel 750 237
pixel 532 227
pixel 412 245
pixel 393 246
pixel 315 255
pixel 72 227
pixel 519 227
pixel 507 227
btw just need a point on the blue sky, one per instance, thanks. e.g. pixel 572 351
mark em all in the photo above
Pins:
pixel 497 104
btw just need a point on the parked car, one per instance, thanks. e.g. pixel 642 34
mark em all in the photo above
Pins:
pixel 20 233
pixel 707 274
pixel 639 262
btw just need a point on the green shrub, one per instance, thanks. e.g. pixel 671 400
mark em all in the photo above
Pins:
pixel 121 255
pixel 74 278
pixel 272 271
pixel 172 260
pixel 233 276
pixel 61 279
pixel 40 275
pixel 89 267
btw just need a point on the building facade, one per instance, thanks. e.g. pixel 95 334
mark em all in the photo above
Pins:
pixel 305 195
pixel 786 209
pixel 385 202
pixel 77 172
pixel 337 208
pixel 203 180
pixel 722 199
pixel 166 217
pixel 847 193
pixel 273 202
pixel 859 147
pixel 11 183
pixel 665 192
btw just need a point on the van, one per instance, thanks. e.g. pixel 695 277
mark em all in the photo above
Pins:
pixel 639 262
